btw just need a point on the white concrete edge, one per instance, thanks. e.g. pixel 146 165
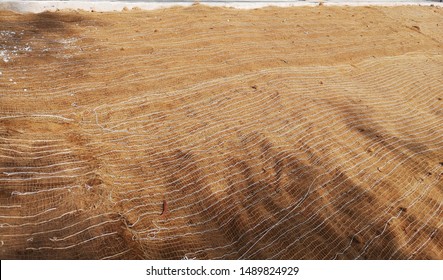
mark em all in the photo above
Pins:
pixel 108 6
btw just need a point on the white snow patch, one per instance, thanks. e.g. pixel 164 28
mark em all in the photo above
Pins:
pixel 8 52
pixel 5 33
pixel 4 55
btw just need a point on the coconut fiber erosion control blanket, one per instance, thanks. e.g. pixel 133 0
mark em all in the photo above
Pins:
pixel 218 133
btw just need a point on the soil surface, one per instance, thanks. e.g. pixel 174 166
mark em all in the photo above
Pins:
pixel 216 133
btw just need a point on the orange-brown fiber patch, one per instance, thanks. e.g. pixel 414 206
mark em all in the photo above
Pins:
pixel 217 133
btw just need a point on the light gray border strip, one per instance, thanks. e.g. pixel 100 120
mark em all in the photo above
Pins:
pixel 106 6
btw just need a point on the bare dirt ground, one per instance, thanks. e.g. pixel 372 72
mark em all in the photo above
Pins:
pixel 216 133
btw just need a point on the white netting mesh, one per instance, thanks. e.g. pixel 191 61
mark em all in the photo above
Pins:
pixel 217 133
